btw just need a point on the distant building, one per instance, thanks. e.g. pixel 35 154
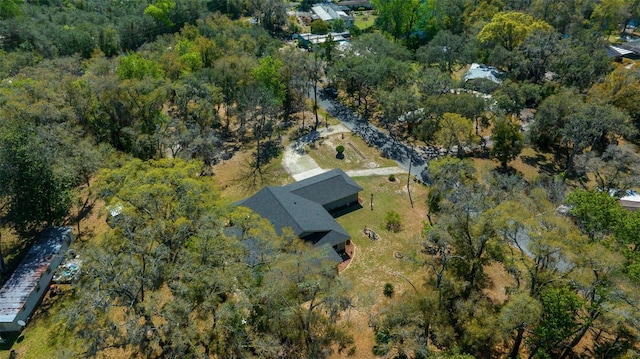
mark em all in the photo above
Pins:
pixel 24 290
pixel 630 201
pixel 306 40
pixel 356 4
pixel 480 71
pixel 629 49
pixel 618 53
pixel 330 12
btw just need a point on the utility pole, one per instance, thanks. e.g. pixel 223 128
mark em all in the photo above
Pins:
pixel 409 174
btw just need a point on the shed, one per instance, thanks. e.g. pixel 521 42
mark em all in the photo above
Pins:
pixel 633 46
pixel 618 53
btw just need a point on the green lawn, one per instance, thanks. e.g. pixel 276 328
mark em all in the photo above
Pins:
pixel 364 19
pixel 43 337
pixel 374 263
pixel 357 154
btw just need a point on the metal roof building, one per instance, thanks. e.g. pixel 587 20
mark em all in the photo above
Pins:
pixel 480 71
pixel 21 294
pixel 329 12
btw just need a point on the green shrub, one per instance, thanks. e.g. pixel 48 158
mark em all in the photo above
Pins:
pixel 393 221
pixel 392 178
pixel 340 148
pixel 388 290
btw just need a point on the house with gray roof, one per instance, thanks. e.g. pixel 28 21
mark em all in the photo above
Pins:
pixel 310 207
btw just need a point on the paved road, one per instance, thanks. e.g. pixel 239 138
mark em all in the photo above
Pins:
pixel 395 150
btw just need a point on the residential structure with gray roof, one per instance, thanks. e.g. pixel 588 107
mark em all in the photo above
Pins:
pixel 309 207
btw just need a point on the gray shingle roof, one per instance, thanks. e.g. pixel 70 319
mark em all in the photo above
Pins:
pixel 326 187
pixel 285 209
pixel 300 206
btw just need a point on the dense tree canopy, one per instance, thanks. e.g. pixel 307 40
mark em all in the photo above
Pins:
pixel 510 29
pixel 186 286
pixel 153 94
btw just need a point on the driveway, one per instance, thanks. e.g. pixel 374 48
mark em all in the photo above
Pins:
pixel 300 165
pixel 395 150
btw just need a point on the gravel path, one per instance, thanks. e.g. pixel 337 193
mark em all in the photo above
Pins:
pixel 384 171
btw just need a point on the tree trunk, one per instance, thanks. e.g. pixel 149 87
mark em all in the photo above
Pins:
pixel 517 342
pixel 427 327
pixel 3 266
pixel 569 348
pixel 409 176
pixel 315 105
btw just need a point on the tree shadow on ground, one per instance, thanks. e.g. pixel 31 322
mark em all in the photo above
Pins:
pixel 541 162
pixel 83 213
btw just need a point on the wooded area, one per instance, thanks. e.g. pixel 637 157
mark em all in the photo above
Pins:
pixel 132 103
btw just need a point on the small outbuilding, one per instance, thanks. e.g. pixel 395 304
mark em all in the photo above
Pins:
pixel 24 290
pixel 618 53
pixel 308 40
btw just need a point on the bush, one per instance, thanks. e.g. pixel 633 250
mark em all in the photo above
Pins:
pixel 388 290
pixel 392 178
pixel 481 85
pixel 319 27
pixel 340 148
pixel 393 221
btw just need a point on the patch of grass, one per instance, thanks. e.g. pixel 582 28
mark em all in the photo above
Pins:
pixel 531 163
pixel 13 250
pixel 325 118
pixel 44 335
pixel 364 19
pixel 357 154
pixel 459 73
pixel 374 261
pixel 235 182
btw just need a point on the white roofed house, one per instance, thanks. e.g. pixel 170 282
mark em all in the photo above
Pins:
pixel 630 201
pixel 307 40
pixel 480 71
pixel 330 12
pixel 26 287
